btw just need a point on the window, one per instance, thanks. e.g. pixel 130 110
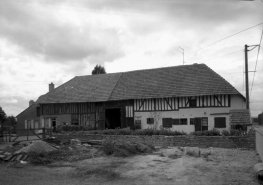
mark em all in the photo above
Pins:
pixel 167 122
pixel 138 124
pixel 150 121
pixel 205 121
pixel 220 122
pixel 183 121
pixel 192 121
pixel 192 102
pixel 176 122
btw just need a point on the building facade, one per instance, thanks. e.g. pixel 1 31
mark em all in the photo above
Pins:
pixel 183 98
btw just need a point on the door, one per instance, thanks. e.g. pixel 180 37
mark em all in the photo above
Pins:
pixel 54 124
pixel 204 123
pixel 198 124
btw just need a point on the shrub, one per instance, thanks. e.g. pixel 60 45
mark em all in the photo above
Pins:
pixel 234 132
pixel 72 128
pixel 213 132
pixel 225 133
pixel 125 148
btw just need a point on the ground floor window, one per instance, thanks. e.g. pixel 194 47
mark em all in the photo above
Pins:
pixel 183 121
pixel 150 121
pixel 167 122
pixel 220 122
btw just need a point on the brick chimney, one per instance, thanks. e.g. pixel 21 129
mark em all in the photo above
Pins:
pixel 51 86
pixel 31 102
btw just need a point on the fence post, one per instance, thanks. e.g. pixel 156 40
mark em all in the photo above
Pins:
pixel 9 130
pixel 51 132
pixel 43 133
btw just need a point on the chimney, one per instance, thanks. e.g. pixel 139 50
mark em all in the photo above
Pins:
pixel 31 102
pixel 51 87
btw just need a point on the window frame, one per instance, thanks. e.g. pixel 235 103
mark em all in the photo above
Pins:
pixel 217 124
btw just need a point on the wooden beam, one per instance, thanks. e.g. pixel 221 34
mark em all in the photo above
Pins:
pixel 141 104
pixel 168 103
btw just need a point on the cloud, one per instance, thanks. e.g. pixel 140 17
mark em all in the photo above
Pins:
pixel 41 32
pixel 8 101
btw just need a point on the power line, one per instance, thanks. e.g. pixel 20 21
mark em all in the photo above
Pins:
pixel 227 37
pixel 256 63
pixel 217 56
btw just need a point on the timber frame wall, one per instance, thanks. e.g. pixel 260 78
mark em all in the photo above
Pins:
pixel 176 103
pixel 94 112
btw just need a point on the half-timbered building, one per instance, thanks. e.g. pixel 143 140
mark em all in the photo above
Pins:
pixel 184 98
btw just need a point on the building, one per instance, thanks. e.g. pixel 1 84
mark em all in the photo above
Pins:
pixel 184 98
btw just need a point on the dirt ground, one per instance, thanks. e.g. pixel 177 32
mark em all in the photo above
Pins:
pixel 175 166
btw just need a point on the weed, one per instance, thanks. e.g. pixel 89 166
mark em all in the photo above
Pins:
pixel 193 153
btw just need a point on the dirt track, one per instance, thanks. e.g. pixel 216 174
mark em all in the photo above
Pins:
pixel 168 166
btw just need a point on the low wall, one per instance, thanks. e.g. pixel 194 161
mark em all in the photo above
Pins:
pixel 247 141
pixel 259 142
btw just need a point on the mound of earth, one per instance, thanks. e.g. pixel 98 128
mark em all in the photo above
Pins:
pixel 37 147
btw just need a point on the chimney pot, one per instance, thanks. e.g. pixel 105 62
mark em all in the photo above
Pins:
pixel 31 102
pixel 51 87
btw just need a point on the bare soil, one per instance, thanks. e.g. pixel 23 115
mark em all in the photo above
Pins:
pixel 175 166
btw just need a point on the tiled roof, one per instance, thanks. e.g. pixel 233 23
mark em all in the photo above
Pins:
pixel 239 117
pixel 186 80
pixel 91 88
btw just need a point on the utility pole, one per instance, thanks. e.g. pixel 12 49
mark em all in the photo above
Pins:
pixel 246 72
pixel 246 76
pixel 182 53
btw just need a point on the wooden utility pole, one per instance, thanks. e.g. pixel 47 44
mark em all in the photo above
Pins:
pixel 246 76
pixel 246 72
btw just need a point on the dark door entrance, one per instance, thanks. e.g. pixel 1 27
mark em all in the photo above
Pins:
pixel 198 124
pixel 113 118
pixel 201 124
pixel 54 124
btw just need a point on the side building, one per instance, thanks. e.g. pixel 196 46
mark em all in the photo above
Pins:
pixel 184 98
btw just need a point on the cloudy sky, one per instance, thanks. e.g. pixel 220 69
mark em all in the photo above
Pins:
pixel 43 41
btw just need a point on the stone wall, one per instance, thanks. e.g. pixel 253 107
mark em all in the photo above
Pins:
pixel 247 141
pixel 259 142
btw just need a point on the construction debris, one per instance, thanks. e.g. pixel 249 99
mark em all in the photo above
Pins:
pixel 37 147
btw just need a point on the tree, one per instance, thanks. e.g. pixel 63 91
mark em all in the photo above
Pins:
pixel 98 69
pixel 260 119
pixel 2 116
pixel 10 121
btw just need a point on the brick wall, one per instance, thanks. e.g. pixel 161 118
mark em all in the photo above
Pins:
pixel 247 141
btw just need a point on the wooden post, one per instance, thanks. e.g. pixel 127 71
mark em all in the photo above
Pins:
pixel 246 77
pixel 27 134
pixel 43 133
pixel 9 134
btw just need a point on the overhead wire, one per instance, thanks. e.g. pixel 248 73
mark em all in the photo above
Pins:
pixel 256 63
pixel 227 37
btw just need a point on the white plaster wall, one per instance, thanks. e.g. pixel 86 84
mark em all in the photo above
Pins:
pixel 237 102
pixel 59 118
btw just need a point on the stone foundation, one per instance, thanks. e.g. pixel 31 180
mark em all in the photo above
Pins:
pixel 247 141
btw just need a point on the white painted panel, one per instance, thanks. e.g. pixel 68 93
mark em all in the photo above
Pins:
pixel 42 123
pixel 25 124
pixel 32 124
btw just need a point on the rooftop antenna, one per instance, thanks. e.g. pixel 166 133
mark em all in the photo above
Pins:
pixel 182 53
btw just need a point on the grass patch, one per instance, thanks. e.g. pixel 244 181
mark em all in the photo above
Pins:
pixel 126 149
pixel 193 153
pixel 106 171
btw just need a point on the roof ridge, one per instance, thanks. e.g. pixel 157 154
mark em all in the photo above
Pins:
pixel 146 69
pixel 114 87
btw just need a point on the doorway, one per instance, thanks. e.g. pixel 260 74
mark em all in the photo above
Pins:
pixel 54 124
pixel 201 124
pixel 113 118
